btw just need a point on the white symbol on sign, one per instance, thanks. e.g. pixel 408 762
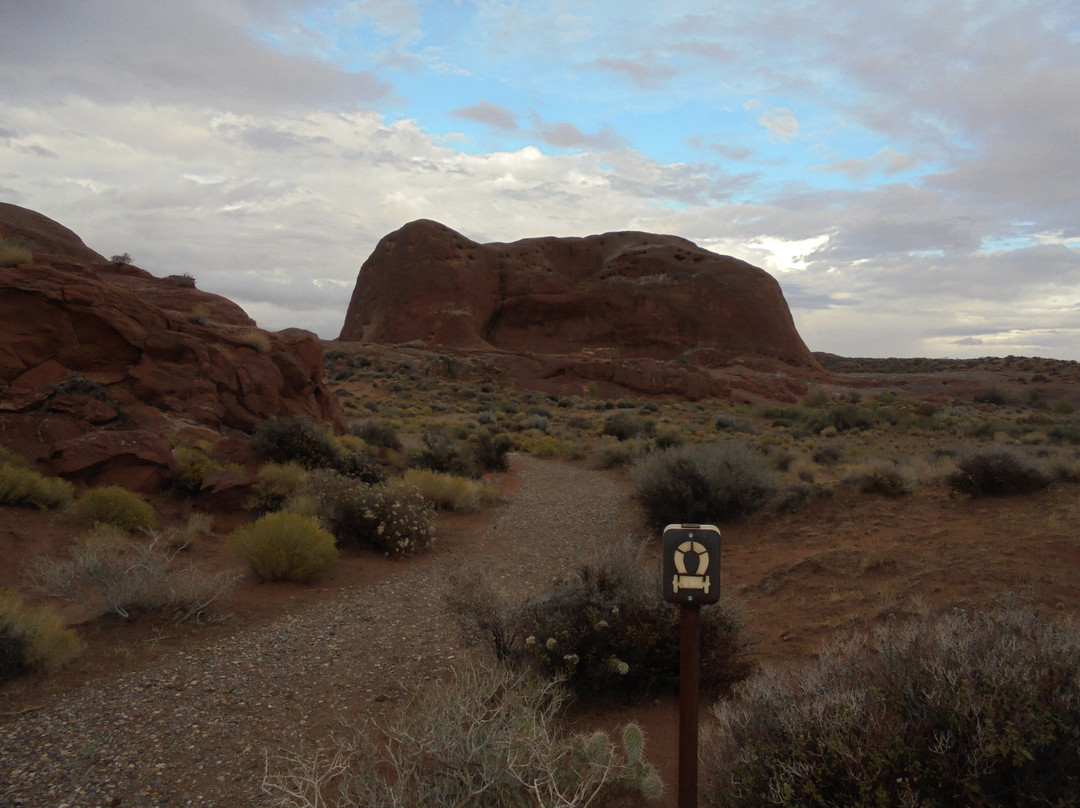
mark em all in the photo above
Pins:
pixel 681 579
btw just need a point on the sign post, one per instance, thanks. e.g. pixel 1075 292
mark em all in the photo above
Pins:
pixel 691 578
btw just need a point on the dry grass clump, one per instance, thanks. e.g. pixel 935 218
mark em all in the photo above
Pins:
pixel 32 640
pixel 286 547
pixel 486 738
pixel 110 572
pixel 114 505
pixel 967 709
pixel 450 493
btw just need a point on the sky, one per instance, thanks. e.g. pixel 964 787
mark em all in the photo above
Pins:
pixel 908 172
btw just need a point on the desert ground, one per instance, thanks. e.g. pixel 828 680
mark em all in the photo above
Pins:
pixel 833 557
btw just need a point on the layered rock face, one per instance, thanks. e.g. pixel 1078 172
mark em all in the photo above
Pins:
pixel 628 298
pixel 100 361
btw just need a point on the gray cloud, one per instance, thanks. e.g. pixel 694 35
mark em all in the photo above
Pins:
pixel 488 114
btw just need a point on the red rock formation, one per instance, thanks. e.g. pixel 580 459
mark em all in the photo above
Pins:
pixel 623 298
pixel 99 361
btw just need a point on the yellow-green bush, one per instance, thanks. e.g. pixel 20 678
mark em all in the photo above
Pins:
pixel 192 466
pixel 11 254
pixel 20 485
pixel 113 505
pixel 31 639
pixel 451 493
pixel 286 547
pixel 278 482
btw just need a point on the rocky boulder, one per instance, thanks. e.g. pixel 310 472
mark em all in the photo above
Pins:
pixel 91 346
pixel 604 308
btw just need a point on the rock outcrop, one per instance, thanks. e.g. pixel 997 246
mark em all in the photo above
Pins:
pixel 100 361
pixel 615 308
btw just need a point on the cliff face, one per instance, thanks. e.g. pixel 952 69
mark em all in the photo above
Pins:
pixel 98 361
pixel 625 296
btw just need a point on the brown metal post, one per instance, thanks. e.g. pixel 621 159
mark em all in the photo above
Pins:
pixel 689 675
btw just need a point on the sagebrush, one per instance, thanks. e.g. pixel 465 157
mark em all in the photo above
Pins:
pixel 966 709
pixel 114 505
pixel 703 484
pixel 32 639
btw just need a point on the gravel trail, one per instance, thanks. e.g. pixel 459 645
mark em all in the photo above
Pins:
pixel 194 729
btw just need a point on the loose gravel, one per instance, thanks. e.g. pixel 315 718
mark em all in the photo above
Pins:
pixel 195 729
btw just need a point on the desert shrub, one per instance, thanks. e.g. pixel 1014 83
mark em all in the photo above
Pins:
pixel 286 547
pixel 20 485
pixel 113 505
pixel 13 254
pixel 486 738
pixel 996 472
pixel 1064 407
pixel 191 466
pixel 702 484
pixel 295 439
pixel 31 639
pixel 546 446
pixel 968 709
pixel 451 493
pixel 276 483
pixel 992 396
pixel 883 478
pixel 377 433
pixel 110 572
pixel 612 454
pixel 606 630
pixel 121 259
pixel 491 450
pixel 185 280
pixel 442 451
pixel 392 518
pixel 625 425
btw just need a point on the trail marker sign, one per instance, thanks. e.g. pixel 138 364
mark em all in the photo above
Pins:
pixel 691 564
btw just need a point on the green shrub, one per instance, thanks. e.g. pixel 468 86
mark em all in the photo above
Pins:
pixel 20 485
pixel 969 709
pixel 606 631
pixel 451 493
pixel 486 738
pixel 113 505
pixel 702 484
pixel 286 547
pixel 996 472
pixel 625 425
pixel 31 639
pixel 110 572
pixel 392 518
pixel 443 452
pixel 993 396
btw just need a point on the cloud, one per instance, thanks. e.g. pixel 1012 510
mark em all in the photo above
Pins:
pixel 489 114
pixel 645 73
pixel 781 122
pixel 887 161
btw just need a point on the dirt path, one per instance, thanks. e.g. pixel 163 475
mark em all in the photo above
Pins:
pixel 193 728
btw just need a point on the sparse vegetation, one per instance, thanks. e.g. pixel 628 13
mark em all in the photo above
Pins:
pixel 286 547
pixel 116 506
pixel 968 709
pixel 487 738
pixel 32 640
